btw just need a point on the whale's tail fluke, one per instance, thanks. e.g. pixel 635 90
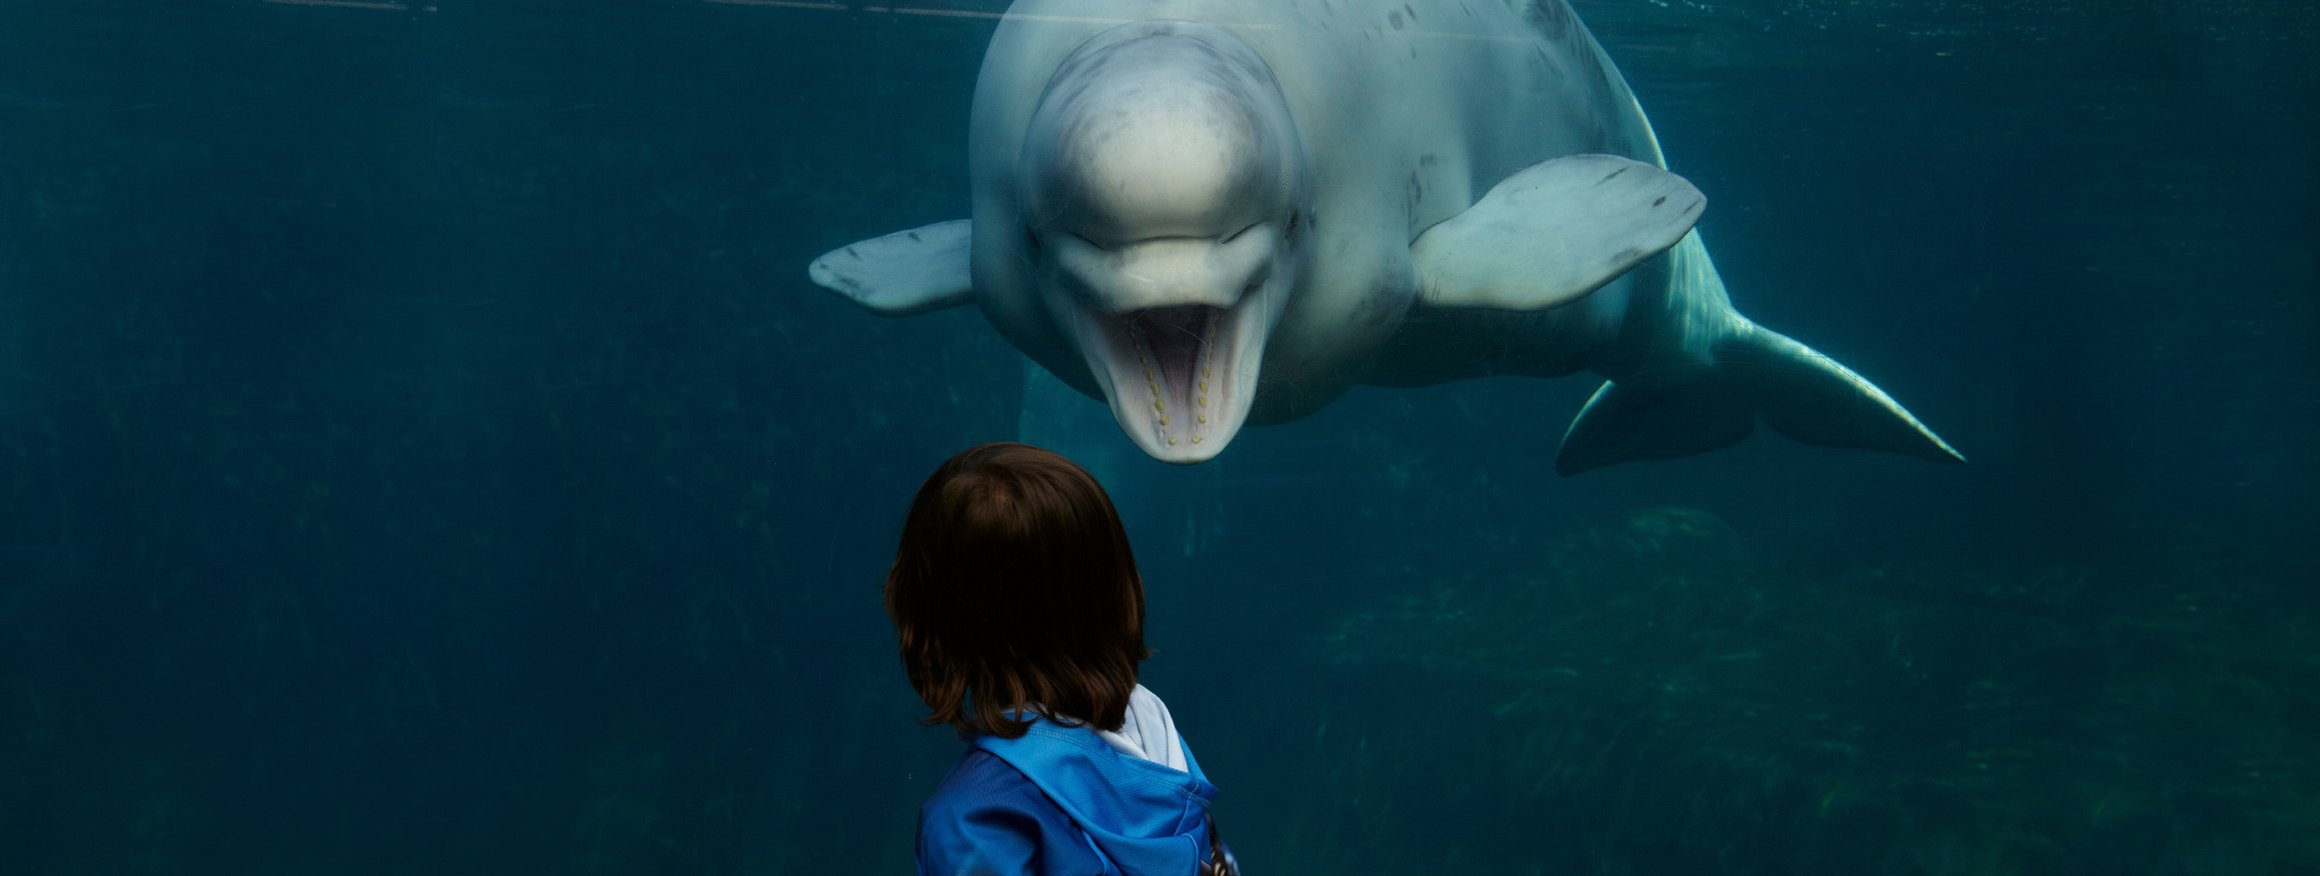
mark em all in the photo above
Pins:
pixel 1756 374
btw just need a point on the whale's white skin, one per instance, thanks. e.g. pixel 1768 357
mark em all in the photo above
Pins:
pixel 1211 213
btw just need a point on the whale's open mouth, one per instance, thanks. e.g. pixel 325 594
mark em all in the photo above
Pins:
pixel 1180 377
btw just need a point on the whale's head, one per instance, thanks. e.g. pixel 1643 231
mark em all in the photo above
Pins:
pixel 1164 194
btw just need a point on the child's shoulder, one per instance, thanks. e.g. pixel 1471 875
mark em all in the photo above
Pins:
pixel 988 817
pixel 982 778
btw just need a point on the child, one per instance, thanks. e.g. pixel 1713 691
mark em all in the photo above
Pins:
pixel 1022 623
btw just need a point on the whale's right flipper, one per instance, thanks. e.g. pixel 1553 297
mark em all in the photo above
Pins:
pixel 1757 374
pixel 905 273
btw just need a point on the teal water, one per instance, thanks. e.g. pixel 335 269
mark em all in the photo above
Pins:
pixel 421 451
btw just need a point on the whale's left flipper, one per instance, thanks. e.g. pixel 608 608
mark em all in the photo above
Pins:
pixel 905 273
pixel 1553 232
pixel 1757 373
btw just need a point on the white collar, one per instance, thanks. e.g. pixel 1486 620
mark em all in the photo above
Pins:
pixel 1149 732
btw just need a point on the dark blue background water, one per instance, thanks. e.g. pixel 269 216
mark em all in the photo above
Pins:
pixel 420 451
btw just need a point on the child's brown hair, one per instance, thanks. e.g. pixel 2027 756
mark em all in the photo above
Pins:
pixel 1014 589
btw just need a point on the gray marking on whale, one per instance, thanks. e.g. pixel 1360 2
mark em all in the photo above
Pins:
pixel 1218 213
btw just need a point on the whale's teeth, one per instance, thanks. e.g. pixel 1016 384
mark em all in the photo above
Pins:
pixel 1169 344
pixel 1175 350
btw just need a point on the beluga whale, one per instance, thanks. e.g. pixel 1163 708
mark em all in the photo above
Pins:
pixel 1211 214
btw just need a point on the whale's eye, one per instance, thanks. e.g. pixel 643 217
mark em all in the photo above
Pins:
pixel 1031 241
pixel 1296 224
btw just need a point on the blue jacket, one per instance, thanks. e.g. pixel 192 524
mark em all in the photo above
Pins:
pixel 1060 800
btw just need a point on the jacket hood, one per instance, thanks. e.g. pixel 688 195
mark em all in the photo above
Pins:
pixel 1147 818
